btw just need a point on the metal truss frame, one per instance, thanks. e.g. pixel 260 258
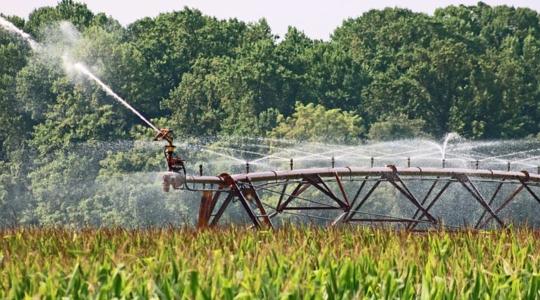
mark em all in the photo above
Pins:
pixel 247 188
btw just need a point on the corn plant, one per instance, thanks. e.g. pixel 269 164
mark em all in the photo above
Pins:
pixel 292 263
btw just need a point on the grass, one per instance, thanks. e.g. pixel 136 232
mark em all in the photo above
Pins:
pixel 293 263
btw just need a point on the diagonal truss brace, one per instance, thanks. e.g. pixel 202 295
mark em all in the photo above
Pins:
pixel 473 190
pixel 396 181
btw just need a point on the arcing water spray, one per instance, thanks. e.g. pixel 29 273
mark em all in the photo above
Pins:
pixel 12 28
pixel 174 162
pixel 84 70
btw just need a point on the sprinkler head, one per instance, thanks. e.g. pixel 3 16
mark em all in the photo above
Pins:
pixel 174 162
pixel 165 134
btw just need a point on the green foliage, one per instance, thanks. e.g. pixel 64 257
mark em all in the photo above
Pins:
pixel 300 263
pixel 61 185
pixel 66 10
pixel 76 117
pixel 316 123
pixel 12 194
pixel 396 127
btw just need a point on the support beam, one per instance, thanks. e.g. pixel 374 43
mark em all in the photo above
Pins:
pixel 240 194
pixel 464 179
pixel 316 181
pixel 300 188
pixel 311 208
pixel 339 218
pixel 221 210
pixel 204 209
pixel 345 198
pixel 407 193
pixel 214 202
pixel 530 191
pixel 385 220
pixel 258 202
pixel 426 197
pixel 359 191
pixel 428 208
pixel 282 193
pixel 366 197
pixel 503 205
pixel 499 186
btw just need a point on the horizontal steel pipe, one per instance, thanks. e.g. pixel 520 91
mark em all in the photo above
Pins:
pixel 361 171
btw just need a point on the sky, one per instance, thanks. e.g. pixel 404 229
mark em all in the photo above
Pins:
pixel 317 18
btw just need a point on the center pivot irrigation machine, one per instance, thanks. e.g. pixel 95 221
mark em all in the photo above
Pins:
pixel 340 195
pixel 410 197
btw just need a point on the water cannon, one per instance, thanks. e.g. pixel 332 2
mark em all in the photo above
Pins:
pixel 174 162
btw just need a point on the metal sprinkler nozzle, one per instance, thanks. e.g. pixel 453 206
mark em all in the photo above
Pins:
pixel 174 162
pixel 165 134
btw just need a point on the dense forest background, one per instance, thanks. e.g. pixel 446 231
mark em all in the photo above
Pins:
pixel 387 74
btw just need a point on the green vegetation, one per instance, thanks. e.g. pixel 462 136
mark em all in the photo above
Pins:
pixel 312 122
pixel 342 263
pixel 386 74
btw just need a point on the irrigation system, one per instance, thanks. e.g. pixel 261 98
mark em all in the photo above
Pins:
pixel 345 195
pixel 335 186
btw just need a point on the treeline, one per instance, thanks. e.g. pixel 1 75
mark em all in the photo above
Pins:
pixel 387 74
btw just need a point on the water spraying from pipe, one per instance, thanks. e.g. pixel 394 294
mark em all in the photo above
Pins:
pixel 84 70
pixel 448 138
pixel 78 66
pixel 7 25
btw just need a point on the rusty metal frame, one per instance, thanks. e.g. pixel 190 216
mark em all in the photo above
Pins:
pixel 471 188
pixel 328 183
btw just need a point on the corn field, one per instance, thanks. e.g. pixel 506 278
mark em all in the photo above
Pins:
pixel 294 263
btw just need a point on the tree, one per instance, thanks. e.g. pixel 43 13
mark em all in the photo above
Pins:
pixel 395 128
pixel 172 42
pixel 14 126
pixel 333 78
pixel 66 10
pixel 67 146
pixel 316 123
pixel 232 96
